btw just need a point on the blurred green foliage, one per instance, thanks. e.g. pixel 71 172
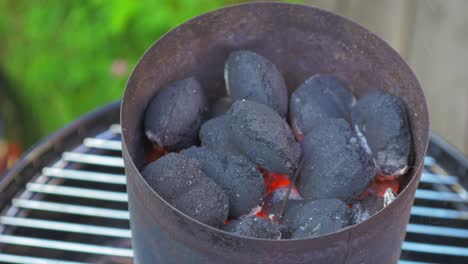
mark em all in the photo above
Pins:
pixel 60 54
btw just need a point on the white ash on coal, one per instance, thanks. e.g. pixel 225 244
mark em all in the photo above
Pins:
pixel 275 200
pixel 174 115
pixel 371 204
pixel 320 96
pixel 181 181
pixel 316 218
pixel 335 165
pixel 258 227
pixel 214 135
pixel 236 175
pixel 251 76
pixel 220 107
pixel 389 197
pixel 367 207
pixel 383 121
pixel 263 136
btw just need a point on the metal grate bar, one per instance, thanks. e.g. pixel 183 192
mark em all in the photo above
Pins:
pixel 8 258
pixel 428 177
pixel 437 230
pixel 93 159
pixel 103 144
pixel 71 209
pixel 429 161
pixel 435 249
pixel 85 175
pixel 67 246
pixel 439 213
pixel 412 262
pixel 77 192
pixel 439 196
pixel 116 129
pixel 65 227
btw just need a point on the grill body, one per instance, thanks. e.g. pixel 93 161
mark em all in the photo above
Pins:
pixel 76 177
pixel 301 41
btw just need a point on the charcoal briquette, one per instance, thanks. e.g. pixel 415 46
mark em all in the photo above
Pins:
pixel 320 96
pixel 257 227
pixel 263 136
pixel 213 135
pixel 173 174
pixel 382 121
pixel 205 202
pixel 335 164
pixel 174 115
pixel 181 181
pixel 236 175
pixel 316 218
pixel 251 76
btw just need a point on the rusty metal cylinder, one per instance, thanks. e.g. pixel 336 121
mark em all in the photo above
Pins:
pixel 301 41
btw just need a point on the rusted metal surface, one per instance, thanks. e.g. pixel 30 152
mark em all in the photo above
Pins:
pixel 301 41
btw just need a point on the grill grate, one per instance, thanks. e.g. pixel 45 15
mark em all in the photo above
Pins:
pixel 76 210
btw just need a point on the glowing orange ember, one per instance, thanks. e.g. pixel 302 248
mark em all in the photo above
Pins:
pixel 380 184
pixel 274 181
pixel 262 214
pixel 298 135
pixel 153 153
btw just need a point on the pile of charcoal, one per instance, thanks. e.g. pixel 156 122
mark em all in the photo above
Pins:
pixel 233 164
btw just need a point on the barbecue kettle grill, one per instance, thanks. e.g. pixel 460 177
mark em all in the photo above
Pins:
pixel 301 41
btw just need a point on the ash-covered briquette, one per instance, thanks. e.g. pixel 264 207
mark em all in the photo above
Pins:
pixel 251 76
pixel 180 179
pixel 174 115
pixel 263 136
pixel 316 218
pixel 320 96
pixel 173 174
pixel 258 227
pixel 382 121
pixel 205 202
pixel 236 175
pixel 220 107
pixel 335 164
pixel 213 135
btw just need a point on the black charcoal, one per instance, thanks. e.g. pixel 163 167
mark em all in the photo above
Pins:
pixel 320 96
pixel 236 175
pixel 173 174
pixel 205 202
pixel 258 227
pixel 181 181
pixel 335 164
pixel 316 218
pixel 381 119
pixel 263 136
pixel 213 135
pixel 174 115
pixel 220 107
pixel 251 76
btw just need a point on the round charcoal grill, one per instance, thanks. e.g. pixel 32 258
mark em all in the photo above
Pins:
pixel 65 201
